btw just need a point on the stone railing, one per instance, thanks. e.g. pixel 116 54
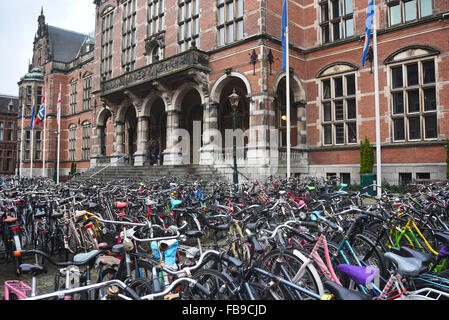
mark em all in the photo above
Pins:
pixel 192 58
pixel 227 155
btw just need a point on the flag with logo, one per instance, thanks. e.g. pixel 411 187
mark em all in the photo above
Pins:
pixel 32 117
pixel 41 112
pixel 284 31
pixel 368 26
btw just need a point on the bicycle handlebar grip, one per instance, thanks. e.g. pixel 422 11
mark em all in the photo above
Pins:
pixel 256 245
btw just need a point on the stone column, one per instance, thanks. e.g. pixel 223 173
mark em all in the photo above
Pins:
pixel 97 150
pixel 119 144
pixel 172 154
pixel 142 140
pixel 212 139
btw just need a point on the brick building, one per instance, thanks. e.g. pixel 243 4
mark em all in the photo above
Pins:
pixel 8 134
pixel 163 70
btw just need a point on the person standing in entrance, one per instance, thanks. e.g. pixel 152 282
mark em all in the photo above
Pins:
pixel 154 152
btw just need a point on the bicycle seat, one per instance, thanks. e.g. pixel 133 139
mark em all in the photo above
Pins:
pixel 361 275
pixel 10 219
pixel 85 258
pixel 194 233
pixel 408 252
pixel 34 269
pixel 40 214
pixel 341 293
pixel 57 215
pixel 406 266
pixel 121 205
pixel 443 237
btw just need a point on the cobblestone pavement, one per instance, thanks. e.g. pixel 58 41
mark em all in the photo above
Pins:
pixel 45 282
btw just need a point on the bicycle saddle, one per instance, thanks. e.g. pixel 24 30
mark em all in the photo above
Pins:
pixel 194 233
pixel 34 269
pixel 85 258
pixel 341 293
pixel 406 266
pixel 120 204
pixel 443 237
pixel 361 275
pixel 407 252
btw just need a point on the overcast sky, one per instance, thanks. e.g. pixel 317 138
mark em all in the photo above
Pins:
pixel 18 26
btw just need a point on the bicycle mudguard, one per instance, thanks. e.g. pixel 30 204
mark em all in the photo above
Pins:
pixel 312 269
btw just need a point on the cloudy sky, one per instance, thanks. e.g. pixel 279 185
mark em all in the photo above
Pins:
pixel 18 25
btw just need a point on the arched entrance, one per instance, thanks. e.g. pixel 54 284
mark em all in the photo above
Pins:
pixel 105 132
pixel 191 119
pixel 158 125
pixel 225 112
pixel 281 114
pixel 130 133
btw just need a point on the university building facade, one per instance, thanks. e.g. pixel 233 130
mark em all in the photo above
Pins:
pixel 163 70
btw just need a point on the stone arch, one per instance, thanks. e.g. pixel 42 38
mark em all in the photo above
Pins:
pixel 296 87
pixel 221 82
pixel 411 52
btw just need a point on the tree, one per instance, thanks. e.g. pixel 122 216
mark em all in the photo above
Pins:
pixel 366 157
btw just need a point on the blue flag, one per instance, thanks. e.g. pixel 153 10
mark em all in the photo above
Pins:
pixel 32 117
pixel 284 35
pixel 368 26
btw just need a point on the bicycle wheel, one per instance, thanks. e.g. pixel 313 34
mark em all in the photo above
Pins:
pixel 292 265
pixel 221 287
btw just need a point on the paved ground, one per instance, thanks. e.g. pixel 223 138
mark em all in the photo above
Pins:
pixel 45 282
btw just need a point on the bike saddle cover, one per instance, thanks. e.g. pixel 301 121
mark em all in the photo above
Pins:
pixel 121 205
pixel 361 275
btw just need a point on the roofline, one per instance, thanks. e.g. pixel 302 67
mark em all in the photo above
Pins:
pixel 81 34
pixel 8 96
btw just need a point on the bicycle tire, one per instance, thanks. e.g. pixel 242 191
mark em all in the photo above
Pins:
pixel 293 260
pixel 221 286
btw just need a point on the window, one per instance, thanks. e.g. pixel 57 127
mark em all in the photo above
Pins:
pixel 73 93
pixel 27 145
pixel 339 110
pixel 156 18
pixel 86 140
pixel 129 36
pixel 72 142
pixel 336 20
pixel 37 145
pixel 230 21
pixel 106 44
pixel 423 175
pixel 345 178
pixel 405 177
pixel 87 92
pixel 38 97
pixel 402 11
pixel 29 100
pixel 414 101
pixel 189 23
pixel 2 125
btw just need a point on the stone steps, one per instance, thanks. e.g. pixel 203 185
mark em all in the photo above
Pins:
pixel 151 173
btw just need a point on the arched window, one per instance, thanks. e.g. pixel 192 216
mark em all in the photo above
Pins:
pixel 338 104
pixel 86 129
pixel 413 94
pixel 72 142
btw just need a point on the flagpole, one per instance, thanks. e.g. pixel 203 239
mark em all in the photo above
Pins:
pixel 21 142
pixel 376 100
pixel 59 132
pixel 287 70
pixel 32 141
pixel 45 135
